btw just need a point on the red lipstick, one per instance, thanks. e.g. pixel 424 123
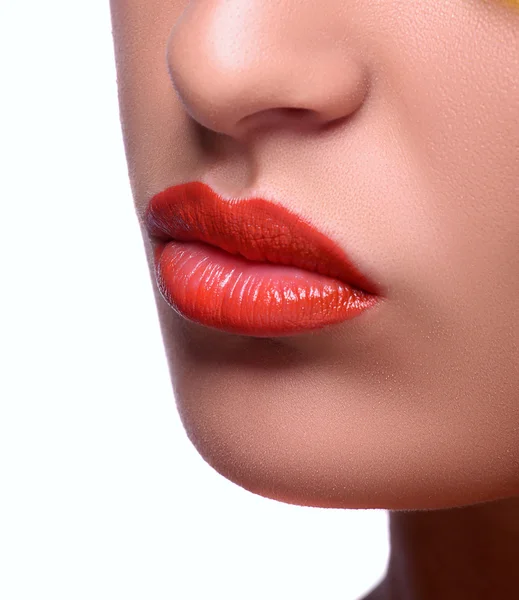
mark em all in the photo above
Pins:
pixel 250 266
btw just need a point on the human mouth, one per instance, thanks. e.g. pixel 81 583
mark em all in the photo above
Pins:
pixel 250 267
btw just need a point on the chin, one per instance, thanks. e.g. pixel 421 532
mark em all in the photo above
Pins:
pixel 306 462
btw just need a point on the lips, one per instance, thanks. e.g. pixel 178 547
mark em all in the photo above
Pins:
pixel 250 267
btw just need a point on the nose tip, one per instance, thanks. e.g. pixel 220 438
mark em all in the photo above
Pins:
pixel 236 71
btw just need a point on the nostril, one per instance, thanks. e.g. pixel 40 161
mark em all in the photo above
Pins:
pixel 294 111
pixel 280 116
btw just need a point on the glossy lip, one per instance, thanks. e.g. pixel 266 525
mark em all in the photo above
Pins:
pixel 203 241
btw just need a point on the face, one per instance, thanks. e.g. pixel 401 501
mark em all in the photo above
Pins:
pixel 404 151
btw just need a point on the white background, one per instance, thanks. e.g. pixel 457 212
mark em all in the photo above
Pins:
pixel 102 495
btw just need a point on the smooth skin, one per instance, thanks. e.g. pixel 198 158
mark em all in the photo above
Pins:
pixel 393 126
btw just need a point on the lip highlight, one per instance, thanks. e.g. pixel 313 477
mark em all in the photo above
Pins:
pixel 250 266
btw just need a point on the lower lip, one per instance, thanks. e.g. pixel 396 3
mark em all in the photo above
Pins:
pixel 228 292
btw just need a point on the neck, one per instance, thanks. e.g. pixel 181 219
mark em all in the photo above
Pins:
pixel 467 553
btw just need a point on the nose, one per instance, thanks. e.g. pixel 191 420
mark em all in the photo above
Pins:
pixel 238 67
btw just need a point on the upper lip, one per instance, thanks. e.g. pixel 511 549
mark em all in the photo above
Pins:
pixel 254 228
